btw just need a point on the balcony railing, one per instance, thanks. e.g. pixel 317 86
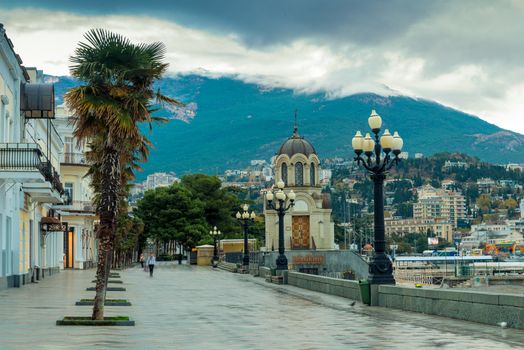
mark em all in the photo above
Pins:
pixel 21 157
pixel 27 157
pixel 74 158
pixel 86 206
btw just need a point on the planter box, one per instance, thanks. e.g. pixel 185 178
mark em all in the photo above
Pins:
pixel 110 281
pixel 87 321
pixel 109 289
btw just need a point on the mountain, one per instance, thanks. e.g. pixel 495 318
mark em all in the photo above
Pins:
pixel 228 122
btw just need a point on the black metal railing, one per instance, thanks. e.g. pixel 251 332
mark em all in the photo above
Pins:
pixel 20 157
pixel 78 205
pixel 28 157
pixel 52 176
pixel 73 158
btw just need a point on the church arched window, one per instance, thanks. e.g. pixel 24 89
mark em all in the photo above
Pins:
pixel 299 174
pixel 284 173
pixel 312 175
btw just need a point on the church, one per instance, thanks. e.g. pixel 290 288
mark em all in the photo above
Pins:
pixel 308 224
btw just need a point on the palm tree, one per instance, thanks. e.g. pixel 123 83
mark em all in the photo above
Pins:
pixel 116 96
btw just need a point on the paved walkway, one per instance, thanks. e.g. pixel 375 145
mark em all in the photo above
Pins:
pixel 184 307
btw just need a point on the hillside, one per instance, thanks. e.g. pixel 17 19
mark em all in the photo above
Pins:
pixel 228 122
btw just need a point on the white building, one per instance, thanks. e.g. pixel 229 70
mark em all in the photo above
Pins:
pixel 258 162
pixel 77 210
pixel 160 179
pixel 403 155
pixel 267 173
pixel 325 176
pixel 485 185
pixel 439 204
pixel 448 165
pixel 31 235
pixel 514 166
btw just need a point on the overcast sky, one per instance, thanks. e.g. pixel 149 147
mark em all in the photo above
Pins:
pixel 466 54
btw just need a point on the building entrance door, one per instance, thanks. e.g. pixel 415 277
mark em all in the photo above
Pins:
pixel 300 232
pixel 69 248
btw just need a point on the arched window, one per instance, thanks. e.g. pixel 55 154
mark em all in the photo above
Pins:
pixel 299 174
pixel 312 175
pixel 284 173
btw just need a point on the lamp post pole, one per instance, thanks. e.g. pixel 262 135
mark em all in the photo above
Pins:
pixel 380 155
pixel 245 218
pixel 215 233
pixel 281 210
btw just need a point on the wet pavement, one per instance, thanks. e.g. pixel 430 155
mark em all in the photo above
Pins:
pixel 185 307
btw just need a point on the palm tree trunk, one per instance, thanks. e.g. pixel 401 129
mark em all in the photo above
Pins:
pixel 108 207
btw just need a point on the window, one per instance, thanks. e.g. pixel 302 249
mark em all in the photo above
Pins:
pixel 68 149
pixel 68 187
pixel 284 173
pixel 312 181
pixel 299 174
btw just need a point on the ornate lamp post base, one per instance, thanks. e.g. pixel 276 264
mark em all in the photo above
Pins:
pixel 381 270
pixel 245 261
pixel 281 262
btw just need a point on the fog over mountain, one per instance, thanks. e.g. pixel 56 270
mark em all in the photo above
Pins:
pixel 227 122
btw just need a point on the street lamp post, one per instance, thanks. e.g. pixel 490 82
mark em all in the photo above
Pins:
pixel 281 209
pixel 245 218
pixel 380 155
pixel 215 233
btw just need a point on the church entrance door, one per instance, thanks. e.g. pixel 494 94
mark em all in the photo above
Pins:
pixel 300 232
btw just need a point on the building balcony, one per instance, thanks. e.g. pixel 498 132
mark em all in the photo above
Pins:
pixel 70 158
pixel 22 162
pixel 25 163
pixel 50 190
pixel 80 207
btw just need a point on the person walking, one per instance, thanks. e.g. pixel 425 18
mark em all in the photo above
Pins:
pixel 142 259
pixel 151 262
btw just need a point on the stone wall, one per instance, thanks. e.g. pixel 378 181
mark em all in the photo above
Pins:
pixel 17 281
pixel 264 271
pixel 334 286
pixel 334 262
pixel 481 307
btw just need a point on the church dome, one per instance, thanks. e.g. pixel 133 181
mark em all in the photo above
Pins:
pixel 296 144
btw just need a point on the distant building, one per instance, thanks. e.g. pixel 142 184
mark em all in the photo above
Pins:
pixel 448 184
pixel 485 185
pixel 508 183
pixel 404 155
pixel 514 166
pixel 160 180
pixel 442 229
pixel 439 204
pixel 419 155
pixel 325 176
pixel 258 162
pixel 449 165
pixel 267 172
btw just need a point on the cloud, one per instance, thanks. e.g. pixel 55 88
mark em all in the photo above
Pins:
pixel 462 54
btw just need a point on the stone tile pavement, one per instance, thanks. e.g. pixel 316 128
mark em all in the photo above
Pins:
pixel 187 307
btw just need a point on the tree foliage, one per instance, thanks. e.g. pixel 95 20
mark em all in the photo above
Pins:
pixel 187 211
